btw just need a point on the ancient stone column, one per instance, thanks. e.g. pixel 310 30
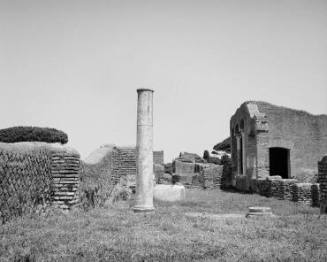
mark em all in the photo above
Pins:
pixel 144 152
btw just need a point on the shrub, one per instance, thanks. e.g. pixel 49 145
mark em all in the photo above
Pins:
pixel 206 155
pixel 32 134
pixel 224 145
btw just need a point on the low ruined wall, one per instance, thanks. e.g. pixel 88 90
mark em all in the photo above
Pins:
pixel 282 189
pixel 322 179
pixel 211 176
pixel 34 176
pixel 301 192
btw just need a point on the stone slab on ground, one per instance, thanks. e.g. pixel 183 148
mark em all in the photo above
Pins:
pixel 169 193
pixel 214 216
pixel 259 211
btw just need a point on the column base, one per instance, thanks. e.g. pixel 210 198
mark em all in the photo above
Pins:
pixel 142 209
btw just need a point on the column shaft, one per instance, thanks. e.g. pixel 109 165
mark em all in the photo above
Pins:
pixel 144 151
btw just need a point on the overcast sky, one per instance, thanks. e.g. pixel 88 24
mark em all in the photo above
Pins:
pixel 76 65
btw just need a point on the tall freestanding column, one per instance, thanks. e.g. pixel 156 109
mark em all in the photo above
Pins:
pixel 144 152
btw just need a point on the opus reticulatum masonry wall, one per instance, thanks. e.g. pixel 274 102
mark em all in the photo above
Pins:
pixel 34 176
pixel 269 140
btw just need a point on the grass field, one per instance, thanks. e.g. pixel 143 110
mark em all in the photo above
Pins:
pixel 297 233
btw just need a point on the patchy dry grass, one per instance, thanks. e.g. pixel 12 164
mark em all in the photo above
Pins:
pixel 117 234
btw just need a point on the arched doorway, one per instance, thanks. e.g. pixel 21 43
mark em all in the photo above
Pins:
pixel 279 162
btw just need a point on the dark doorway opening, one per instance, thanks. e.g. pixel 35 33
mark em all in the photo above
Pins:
pixel 279 162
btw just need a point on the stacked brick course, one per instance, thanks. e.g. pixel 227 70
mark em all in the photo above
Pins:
pixel 65 169
pixel 322 178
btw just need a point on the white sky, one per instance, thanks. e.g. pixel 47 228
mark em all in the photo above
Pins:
pixel 76 65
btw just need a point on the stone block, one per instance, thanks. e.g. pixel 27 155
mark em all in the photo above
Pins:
pixel 170 193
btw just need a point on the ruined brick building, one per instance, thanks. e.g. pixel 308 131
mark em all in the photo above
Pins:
pixel 269 140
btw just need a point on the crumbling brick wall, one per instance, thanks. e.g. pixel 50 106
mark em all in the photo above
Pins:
pixel 124 164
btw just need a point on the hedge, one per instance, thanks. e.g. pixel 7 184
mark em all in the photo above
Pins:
pixel 32 134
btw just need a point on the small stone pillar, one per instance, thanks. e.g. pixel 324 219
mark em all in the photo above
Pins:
pixel 322 179
pixel 144 152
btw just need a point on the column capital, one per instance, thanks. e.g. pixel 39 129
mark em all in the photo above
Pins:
pixel 144 90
